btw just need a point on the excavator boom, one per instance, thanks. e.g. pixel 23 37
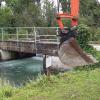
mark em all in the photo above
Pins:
pixel 70 53
pixel 73 14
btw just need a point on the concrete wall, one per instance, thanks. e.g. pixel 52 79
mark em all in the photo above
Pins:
pixel 9 55
pixel 5 55
pixel 47 48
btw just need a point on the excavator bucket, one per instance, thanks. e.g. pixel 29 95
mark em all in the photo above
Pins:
pixel 70 54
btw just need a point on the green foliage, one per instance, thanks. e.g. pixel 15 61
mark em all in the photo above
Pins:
pixel 89 11
pixel 7 91
pixel 84 35
pixel 32 13
pixel 74 85
pixel 66 22
pixel 25 13
pixel 49 12
pixel 95 34
pixel 5 16
pixel 89 67
pixel 65 5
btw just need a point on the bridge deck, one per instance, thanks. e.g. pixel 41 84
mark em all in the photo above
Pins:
pixel 43 47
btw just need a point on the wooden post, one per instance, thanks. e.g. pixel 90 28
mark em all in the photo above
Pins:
pixel 46 71
pixel 17 32
pixel 44 65
pixel 2 34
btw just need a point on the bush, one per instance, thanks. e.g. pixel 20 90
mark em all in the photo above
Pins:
pixel 84 35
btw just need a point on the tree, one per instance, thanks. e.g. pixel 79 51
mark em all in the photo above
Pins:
pixel 5 16
pixel 49 12
pixel 90 12
pixel 25 12
pixel 65 5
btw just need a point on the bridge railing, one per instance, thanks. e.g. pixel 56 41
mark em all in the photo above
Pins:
pixel 36 34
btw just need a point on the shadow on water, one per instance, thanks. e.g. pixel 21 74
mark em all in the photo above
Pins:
pixel 21 71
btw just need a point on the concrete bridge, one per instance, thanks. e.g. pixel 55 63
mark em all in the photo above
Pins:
pixel 30 40
pixel 33 40
pixel 30 47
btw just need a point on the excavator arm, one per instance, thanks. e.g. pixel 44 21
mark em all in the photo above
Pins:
pixel 70 53
pixel 73 15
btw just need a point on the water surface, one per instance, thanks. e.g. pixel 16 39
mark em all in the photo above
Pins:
pixel 21 71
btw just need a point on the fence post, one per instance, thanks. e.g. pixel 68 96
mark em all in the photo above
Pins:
pixel 57 34
pixel 35 34
pixel 2 34
pixel 35 39
pixel 27 34
pixel 17 30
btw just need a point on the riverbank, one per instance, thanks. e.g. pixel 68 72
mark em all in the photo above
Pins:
pixel 75 85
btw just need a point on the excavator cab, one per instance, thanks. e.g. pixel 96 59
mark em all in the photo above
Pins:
pixel 70 53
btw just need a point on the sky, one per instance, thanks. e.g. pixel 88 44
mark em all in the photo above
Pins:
pixel 3 4
pixel 55 2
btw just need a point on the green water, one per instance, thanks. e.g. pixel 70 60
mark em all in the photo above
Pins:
pixel 21 71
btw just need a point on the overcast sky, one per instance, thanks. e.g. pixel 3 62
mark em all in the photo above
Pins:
pixel 55 1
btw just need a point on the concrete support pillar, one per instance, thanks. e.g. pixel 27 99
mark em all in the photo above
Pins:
pixel 9 55
pixel 5 55
pixel 44 65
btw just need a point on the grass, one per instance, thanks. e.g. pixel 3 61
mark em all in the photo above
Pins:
pixel 75 85
pixel 82 83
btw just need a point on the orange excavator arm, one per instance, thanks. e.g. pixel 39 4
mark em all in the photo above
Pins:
pixel 73 15
pixel 70 53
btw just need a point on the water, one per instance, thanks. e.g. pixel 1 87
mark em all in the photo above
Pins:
pixel 21 71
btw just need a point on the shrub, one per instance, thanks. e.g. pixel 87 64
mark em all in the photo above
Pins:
pixel 84 35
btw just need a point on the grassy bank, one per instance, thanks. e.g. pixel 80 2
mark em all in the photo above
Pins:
pixel 74 85
pixel 83 83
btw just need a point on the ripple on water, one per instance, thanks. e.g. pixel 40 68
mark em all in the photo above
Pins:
pixel 20 71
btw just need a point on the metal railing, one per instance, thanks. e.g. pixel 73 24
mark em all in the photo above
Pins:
pixel 36 34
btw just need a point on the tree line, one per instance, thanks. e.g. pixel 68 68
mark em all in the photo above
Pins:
pixel 27 13
pixel 30 13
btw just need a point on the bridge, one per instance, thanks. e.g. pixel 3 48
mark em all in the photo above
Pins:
pixel 35 40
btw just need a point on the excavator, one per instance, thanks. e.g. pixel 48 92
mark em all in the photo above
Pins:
pixel 70 53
